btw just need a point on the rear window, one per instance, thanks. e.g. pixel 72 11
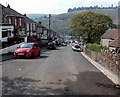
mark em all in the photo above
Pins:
pixel 77 46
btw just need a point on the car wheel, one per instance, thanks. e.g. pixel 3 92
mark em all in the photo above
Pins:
pixel 15 57
pixel 32 55
pixel 39 53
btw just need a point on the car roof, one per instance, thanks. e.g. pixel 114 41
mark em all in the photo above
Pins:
pixel 30 43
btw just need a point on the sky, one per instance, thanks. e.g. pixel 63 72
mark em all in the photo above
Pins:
pixel 53 6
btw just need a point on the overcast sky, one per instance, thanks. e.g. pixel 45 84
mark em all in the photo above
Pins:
pixel 53 6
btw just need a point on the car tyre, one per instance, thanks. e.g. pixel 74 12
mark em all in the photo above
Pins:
pixel 39 53
pixel 32 55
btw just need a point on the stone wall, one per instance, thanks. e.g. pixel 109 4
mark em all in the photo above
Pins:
pixel 106 58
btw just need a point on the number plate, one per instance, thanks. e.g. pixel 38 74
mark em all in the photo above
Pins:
pixel 20 53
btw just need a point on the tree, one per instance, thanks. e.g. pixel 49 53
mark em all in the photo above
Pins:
pixel 90 25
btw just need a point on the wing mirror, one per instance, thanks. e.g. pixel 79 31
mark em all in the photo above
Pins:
pixel 18 46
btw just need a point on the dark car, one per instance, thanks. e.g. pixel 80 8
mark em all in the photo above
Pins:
pixel 51 45
pixel 63 44
pixel 27 50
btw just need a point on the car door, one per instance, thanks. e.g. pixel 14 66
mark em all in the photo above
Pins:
pixel 36 49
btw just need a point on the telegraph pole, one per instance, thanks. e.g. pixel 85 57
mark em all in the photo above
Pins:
pixel 49 28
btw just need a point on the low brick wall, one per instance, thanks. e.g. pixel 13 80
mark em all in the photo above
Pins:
pixel 106 58
pixel 9 49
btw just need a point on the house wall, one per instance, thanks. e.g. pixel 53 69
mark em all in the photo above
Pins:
pixel 106 42
pixel 6 28
pixel 31 29
pixel 112 48
pixel 44 35
pixel 39 31
pixel 19 27
pixel 0 13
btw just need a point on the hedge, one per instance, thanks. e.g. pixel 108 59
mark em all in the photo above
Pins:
pixel 95 47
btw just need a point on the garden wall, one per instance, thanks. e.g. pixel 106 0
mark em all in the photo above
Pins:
pixel 106 58
pixel 9 49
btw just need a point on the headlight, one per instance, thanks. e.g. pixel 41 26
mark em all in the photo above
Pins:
pixel 15 51
pixel 27 51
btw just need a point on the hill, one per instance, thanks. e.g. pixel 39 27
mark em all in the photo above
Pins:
pixel 60 23
pixel 36 16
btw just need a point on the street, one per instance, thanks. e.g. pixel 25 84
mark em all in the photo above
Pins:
pixel 55 72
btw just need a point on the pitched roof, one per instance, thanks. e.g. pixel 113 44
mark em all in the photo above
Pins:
pixel 28 20
pixel 116 42
pixel 11 12
pixel 111 34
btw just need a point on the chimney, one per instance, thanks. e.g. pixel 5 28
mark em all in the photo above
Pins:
pixel 8 6
pixel 25 15
pixel 39 22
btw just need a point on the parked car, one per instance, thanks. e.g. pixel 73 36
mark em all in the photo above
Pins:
pixel 63 44
pixel 51 45
pixel 76 47
pixel 27 50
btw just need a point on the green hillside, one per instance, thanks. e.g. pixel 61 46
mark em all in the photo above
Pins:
pixel 60 23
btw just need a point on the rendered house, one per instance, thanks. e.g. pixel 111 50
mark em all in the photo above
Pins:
pixel 115 45
pixel 110 38
pixel 6 32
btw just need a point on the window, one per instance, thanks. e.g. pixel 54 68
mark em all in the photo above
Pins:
pixel 9 20
pixel 9 33
pixel 15 22
pixel 110 42
pixel 35 45
pixel 4 34
pixel 20 21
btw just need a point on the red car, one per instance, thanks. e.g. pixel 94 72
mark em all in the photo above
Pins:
pixel 27 50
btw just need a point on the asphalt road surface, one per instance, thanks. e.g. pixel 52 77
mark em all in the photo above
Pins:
pixel 55 72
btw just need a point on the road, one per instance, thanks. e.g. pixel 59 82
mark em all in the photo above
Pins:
pixel 55 72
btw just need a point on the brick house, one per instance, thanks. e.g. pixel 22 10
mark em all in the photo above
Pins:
pixel 11 16
pixel 23 26
pixel 31 26
pixel 110 39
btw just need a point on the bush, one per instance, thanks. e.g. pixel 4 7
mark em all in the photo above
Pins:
pixel 95 47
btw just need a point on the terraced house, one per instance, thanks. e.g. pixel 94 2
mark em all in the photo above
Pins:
pixel 16 27
pixel 14 24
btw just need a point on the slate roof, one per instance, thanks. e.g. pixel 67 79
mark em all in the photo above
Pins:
pixel 11 12
pixel 111 34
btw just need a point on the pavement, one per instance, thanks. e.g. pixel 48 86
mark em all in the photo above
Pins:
pixel 5 57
